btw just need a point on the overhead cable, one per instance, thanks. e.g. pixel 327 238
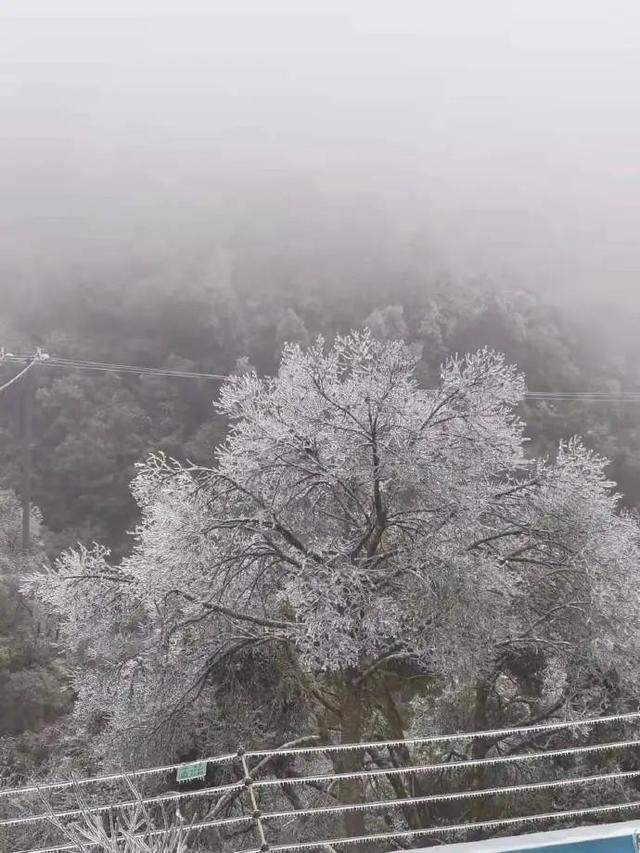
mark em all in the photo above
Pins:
pixel 17 377
pixel 138 370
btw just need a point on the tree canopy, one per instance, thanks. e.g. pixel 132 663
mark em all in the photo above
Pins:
pixel 351 528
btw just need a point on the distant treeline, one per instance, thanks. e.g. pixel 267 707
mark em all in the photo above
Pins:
pixel 221 314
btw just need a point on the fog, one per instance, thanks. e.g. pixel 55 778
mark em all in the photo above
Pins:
pixel 500 138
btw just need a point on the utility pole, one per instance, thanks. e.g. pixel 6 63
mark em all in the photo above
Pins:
pixel 26 428
pixel 26 417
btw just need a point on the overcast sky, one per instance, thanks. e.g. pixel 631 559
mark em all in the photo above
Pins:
pixel 506 130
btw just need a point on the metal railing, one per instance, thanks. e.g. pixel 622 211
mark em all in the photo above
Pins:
pixel 249 788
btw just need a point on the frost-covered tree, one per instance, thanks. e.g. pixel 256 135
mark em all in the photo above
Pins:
pixel 388 323
pixel 34 692
pixel 352 527
pixel 290 327
pixel 31 684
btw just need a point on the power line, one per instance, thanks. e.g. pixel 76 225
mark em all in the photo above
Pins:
pixel 138 370
pixel 107 367
pixel 17 377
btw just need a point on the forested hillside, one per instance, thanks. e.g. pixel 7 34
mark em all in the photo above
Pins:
pixel 92 429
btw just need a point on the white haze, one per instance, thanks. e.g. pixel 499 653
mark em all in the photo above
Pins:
pixel 498 136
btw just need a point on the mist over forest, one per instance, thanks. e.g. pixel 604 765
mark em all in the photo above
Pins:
pixel 495 139
pixel 447 196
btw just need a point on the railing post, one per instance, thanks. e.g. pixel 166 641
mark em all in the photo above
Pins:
pixel 256 814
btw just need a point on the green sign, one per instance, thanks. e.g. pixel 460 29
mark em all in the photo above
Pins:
pixel 189 772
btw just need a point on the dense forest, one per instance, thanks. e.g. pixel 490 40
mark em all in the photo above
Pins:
pixel 215 317
pixel 93 431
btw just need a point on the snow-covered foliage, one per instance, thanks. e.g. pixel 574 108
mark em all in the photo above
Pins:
pixel 11 551
pixel 353 520
pixel 134 830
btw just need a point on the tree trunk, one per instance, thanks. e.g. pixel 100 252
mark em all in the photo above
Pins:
pixel 481 809
pixel 352 791
pixel 416 817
